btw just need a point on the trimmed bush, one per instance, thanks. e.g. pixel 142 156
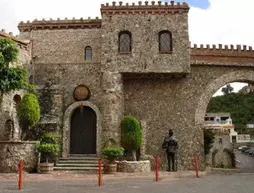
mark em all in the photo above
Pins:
pixel 28 113
pixel 29 110
pixel 113 152
pixel 131 134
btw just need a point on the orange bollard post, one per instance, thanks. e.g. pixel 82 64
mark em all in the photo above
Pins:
pixel 156 169
pixel 196 166
pixel 20 166
pixel 100 174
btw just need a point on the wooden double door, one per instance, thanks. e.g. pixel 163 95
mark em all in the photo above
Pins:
pixel 83 131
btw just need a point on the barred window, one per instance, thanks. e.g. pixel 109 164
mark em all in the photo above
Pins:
pixel 124 42
pixel 165 42
pixel 88 53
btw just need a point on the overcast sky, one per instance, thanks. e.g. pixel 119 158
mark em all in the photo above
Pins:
pixel 210 21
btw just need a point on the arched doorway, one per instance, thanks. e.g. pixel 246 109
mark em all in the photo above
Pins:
pixel 83 131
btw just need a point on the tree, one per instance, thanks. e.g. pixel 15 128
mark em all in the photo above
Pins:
pixel 131 135
pixel 28 113
pixel 239 105
pixel 227 89
pixel 11 78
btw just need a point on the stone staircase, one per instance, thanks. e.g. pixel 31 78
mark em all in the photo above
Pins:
pixel 89 164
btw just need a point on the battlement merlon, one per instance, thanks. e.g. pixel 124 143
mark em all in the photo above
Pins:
pixel 146 8
pixel 222 55
pixel 59 24
pixel 222 50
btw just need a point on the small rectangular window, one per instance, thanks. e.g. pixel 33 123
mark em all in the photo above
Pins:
pixel 88 53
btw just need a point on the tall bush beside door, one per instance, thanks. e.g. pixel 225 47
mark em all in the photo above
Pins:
pixel 131 135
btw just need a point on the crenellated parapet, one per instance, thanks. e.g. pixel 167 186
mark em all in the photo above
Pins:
pixel 60 24
pixel 145 8
pixel 22 43
pixel 224 54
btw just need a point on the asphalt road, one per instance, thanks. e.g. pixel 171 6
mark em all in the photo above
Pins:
pixel 216 183
pixel 244 162
pixel 220 183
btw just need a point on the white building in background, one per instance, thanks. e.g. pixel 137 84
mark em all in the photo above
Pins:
pixel 222 123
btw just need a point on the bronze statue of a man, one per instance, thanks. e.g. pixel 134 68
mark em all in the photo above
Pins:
pixel 170 145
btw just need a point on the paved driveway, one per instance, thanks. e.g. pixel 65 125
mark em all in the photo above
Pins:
pixel 233 183
pixel 244 162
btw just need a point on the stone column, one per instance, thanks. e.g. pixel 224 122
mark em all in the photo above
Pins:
pixel 112 107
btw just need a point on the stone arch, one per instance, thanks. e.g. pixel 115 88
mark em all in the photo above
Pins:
pixel 231 155
pixel 67 125
pixel 236 76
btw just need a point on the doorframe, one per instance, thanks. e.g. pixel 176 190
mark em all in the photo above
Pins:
pixel 67 126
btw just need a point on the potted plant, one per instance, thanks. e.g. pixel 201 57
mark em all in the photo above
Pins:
pixel 132 141
pixel 112 153
pixel 47 147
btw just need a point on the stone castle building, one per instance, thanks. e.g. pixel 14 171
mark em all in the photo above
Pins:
pixel 135 60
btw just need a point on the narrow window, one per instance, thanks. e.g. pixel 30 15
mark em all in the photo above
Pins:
pixel 165 42
pixel 88 53
pixel 124 42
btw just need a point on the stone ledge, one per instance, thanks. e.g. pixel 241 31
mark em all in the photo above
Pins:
pixel 224 170
pixel 18 142
pixel 135 166
pixel 11 152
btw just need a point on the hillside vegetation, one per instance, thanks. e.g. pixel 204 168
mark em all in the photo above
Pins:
pixel 239 105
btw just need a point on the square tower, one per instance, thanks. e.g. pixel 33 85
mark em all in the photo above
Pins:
pixel 145 38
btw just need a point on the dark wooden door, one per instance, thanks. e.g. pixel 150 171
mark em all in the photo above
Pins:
pixel 83 131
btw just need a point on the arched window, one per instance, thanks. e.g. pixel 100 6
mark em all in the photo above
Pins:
pixel 124 42
pixel 165 42
pixel 17 99
pixel 88 53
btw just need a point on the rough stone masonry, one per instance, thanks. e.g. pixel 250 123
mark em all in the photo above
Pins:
pixel 164 90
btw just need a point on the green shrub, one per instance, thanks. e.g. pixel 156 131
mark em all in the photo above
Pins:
pixel 131 134
pixel 113 152
pixel 11 78
pixel 8 50
pixel 48 145
pixel 29 110
pixel 208 140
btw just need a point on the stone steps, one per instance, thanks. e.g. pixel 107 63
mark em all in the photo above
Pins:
pixel 87 163
pixel 94 169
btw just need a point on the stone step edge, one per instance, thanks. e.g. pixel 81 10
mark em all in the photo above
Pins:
pixel 78 161
pixel 76 168
pixel 77 165
pixel 79 158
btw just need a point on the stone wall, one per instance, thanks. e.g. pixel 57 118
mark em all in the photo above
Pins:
pixel 64 46
pixel 58 58
pixel 12 152
pixel 135 166
pixel 165 102
pixel 8 112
